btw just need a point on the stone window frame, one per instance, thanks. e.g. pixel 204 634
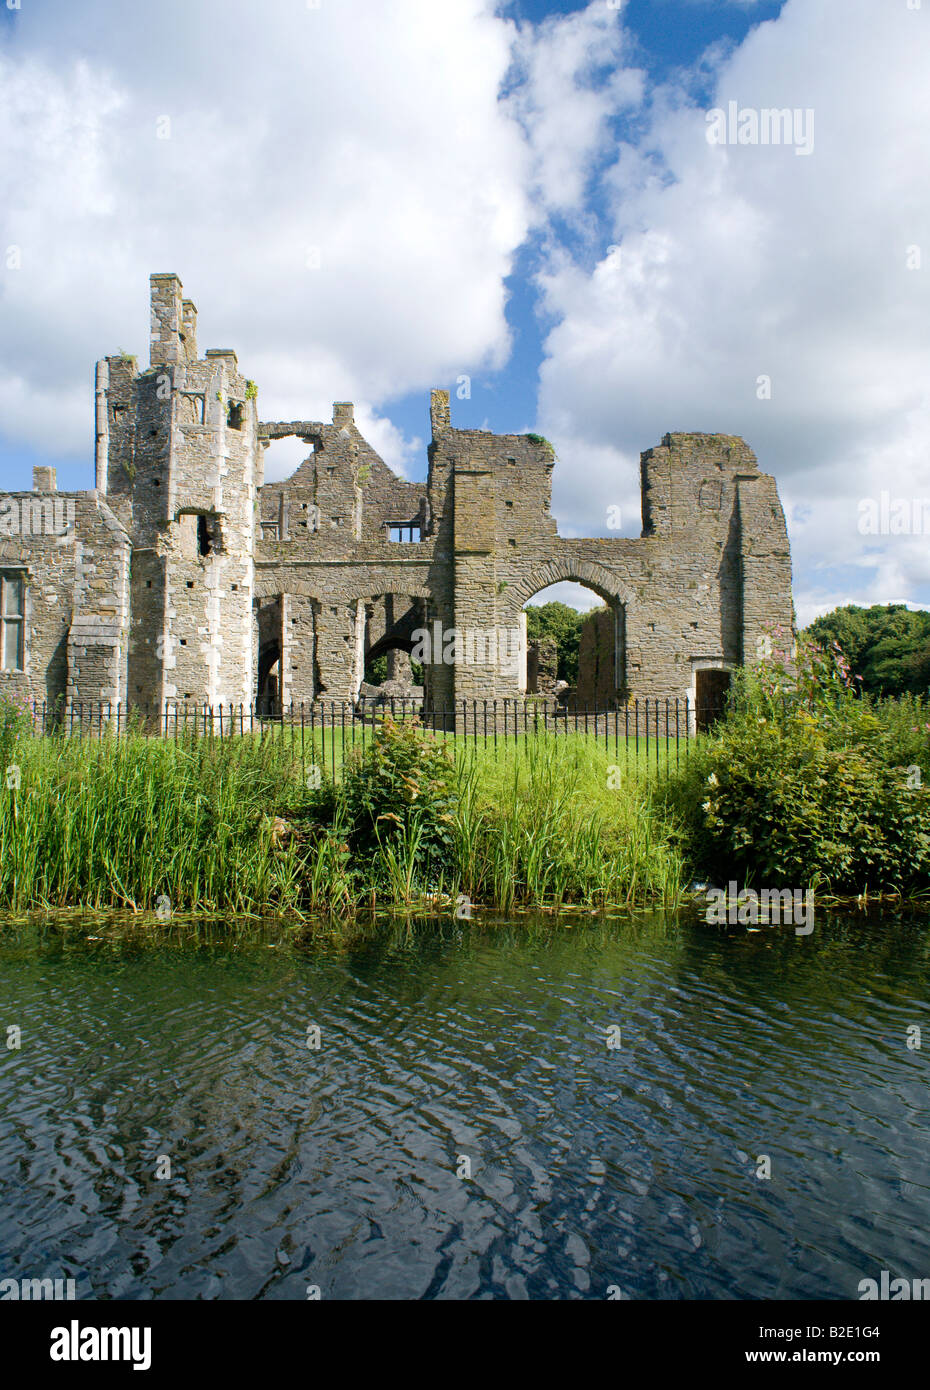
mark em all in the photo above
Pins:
pixel 198 404
pixel 415 528
pixel 16 620
pixel 204 538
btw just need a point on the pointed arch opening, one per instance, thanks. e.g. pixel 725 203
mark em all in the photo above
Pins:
pixel 573 645
pixel 574 653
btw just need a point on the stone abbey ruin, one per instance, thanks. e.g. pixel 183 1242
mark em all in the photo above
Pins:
pixel 184 578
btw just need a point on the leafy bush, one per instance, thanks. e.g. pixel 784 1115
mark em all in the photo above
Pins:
pixel 887 646
pixel 806 782
pixel 559 621
pixel 400 798
pixel 15 723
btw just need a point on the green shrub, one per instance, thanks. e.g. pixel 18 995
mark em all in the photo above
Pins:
pixel 806 782
pixel 15 724
pixel 400 797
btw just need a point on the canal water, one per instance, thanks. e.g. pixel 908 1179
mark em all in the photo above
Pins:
pixel 542 1108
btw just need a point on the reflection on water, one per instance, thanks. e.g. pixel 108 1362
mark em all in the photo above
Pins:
pixel 591 1166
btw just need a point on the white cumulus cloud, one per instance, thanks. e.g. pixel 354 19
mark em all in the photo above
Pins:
pixel 339 189
pixel 740 263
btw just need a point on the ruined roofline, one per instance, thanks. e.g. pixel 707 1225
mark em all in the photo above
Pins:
pixel 687 439
pixel 54 504
pixel 287 429
pixel 441 422
pixel 343 417
pixel 493 434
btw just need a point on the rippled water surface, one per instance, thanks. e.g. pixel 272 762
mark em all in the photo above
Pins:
pixel 633 1166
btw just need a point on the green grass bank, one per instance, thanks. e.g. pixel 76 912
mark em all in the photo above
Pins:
pixel 236 827
pixel 805 784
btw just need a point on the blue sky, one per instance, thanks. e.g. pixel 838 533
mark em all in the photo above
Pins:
pixel 668 35
pixel 522 193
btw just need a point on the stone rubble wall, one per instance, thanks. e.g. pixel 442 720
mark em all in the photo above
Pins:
pixel 188 578
pixel 76 603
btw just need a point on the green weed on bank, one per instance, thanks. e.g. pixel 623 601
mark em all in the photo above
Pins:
pixel 125 823
pixel 199 825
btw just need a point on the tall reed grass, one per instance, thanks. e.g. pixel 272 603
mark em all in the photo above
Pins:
pixel 126 823
pixel 211 827
pixel 543 824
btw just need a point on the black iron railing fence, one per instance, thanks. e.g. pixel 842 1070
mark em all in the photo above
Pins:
pixel 646 734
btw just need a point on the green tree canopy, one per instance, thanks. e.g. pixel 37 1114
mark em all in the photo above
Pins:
pixel 887 646
pixel 559 621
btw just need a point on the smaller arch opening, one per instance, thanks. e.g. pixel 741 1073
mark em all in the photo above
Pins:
pixel 391 623
pixel 269 681
pixel 574 648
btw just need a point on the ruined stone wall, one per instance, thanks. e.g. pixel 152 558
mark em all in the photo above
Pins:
pixel 542 669
pixel 676 593
pixel 218 575
pixel 324 540
pixel 596 660
pixel 73 556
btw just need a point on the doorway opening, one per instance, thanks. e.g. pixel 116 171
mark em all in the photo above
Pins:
pixel 711 689
pixel 572 646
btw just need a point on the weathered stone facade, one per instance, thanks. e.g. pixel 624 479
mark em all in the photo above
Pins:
pixel 184 578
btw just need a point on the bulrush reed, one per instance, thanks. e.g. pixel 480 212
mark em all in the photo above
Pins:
pixel 236 827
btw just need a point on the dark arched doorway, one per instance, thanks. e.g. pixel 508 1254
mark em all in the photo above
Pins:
pixel 269 685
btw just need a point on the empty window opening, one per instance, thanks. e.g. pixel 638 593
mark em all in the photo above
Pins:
pixel 12 620
pixel 199 534
pixel 234 415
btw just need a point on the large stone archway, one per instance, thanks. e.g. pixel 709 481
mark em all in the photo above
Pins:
pixel 611 632
pixel 560 569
